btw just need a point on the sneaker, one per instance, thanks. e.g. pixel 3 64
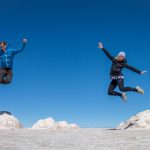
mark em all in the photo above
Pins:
pixel 139 90
pixel 124 97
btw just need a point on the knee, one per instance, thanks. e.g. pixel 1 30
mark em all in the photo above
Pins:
pixel 122 89
pixel 6 82
pixel 109 92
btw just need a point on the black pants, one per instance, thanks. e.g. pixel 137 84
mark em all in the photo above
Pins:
pixel 5 75
pixel 120 83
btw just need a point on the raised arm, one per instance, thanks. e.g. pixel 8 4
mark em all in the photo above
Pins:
pixel 24 41
pixel 100 45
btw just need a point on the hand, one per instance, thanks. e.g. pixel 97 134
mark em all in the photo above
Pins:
pixel 143 72
pixel 24 41
pixel 100 45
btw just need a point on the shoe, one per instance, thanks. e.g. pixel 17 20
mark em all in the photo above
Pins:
pixel 139 90
pixel 124 97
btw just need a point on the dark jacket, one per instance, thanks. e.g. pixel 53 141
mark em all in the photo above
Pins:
pixel 117 66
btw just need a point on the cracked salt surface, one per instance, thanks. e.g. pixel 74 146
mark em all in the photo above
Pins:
pixel 75 139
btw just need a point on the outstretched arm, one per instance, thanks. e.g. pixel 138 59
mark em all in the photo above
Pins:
pixel 100 45
pixel 24 41
pixel 133 69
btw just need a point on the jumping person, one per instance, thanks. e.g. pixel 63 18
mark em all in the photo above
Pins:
pixel 6 61
pixel 117 78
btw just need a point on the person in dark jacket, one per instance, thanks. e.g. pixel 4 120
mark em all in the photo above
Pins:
pixel 116 75
pixel 6 61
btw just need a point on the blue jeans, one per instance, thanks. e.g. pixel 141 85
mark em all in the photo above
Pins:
pixel 5 75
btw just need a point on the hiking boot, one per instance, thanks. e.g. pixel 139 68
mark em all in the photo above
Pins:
pixel 139 90
pixel 124 97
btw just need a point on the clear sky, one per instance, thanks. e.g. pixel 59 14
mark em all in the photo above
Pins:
pixel 61 73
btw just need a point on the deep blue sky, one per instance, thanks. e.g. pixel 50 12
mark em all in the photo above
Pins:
pixel 61 72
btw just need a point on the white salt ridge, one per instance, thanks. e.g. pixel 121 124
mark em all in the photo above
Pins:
pixel 9 122
pixel 49 123
pixel 140 120
pixel 62 125
pixel 73 125
pixel 42 124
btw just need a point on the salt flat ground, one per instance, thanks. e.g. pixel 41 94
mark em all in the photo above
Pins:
pixel 76 139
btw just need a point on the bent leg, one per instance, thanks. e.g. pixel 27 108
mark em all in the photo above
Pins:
pixel 2 75
pixel 125 89
pixel 111 88
pixel 8 77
